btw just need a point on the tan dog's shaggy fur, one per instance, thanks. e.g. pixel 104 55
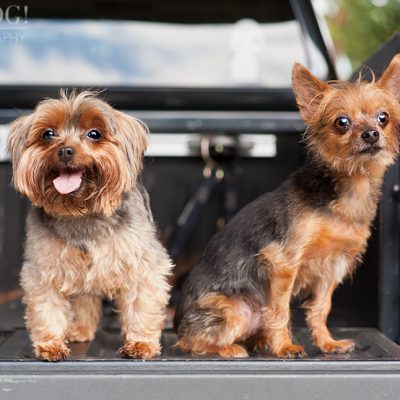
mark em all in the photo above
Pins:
pixel 98 240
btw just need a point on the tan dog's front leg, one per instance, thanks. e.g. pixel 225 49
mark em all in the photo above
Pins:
pixel 142 314
pixel 47 318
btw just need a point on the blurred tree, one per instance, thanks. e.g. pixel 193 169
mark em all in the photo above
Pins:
pixel 360 27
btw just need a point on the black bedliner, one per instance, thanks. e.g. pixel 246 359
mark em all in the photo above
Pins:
pixel 371 345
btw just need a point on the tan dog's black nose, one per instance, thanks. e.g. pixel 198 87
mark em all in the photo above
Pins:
pixel 370 136
pixel 65 154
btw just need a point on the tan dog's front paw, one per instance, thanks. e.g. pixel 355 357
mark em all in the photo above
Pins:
pixel 139 350
pixel 338 346
pixel 51 350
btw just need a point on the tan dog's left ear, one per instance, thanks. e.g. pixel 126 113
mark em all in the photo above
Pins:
pixel 133 137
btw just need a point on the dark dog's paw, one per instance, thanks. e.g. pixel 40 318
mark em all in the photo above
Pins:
pixel 291 351
pixel 338 346
pixel 232 351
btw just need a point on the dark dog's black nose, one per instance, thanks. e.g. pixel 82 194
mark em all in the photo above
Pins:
pixel 65 153
pixel 370 136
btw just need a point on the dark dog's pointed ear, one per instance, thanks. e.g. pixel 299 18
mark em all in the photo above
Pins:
pixel 132 134
pixel 390 79
pixel 308 89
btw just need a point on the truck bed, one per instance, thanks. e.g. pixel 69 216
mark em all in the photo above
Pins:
pixel 95 370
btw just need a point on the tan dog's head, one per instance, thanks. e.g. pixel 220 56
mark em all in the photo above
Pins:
pixel 351 126
pixel 76 155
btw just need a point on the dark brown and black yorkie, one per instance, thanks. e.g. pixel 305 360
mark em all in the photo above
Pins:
pixel 303 238
pixel 90 232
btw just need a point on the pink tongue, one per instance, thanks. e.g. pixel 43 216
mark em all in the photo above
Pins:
pixel 67 182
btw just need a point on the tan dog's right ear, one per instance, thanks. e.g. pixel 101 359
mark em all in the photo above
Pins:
pixel 17 138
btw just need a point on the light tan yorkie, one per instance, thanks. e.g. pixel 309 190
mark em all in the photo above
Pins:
pixel 90 231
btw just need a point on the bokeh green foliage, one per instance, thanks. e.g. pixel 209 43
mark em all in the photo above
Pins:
pixel 359 28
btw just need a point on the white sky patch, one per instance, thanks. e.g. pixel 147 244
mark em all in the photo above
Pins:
pixel 151 54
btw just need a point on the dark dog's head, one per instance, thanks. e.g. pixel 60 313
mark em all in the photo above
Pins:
pixel 351 126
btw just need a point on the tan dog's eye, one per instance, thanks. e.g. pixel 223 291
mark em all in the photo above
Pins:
pixel 48 134
pixel 93 134
pixel 342 123
pixel 382 118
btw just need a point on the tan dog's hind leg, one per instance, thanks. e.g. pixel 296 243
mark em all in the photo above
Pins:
pixel 87 312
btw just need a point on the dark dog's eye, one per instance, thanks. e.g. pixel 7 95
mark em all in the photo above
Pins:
pixel 94 134
pixel 382 118
pixel 342 123
pixel 48 134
